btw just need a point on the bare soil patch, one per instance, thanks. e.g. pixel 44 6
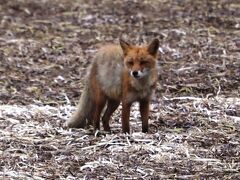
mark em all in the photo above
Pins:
pixel 45 49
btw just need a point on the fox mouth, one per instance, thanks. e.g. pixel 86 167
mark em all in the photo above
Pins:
pixel 137 77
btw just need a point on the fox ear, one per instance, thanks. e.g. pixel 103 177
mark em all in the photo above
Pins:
pixel 153 47
pixel 125 46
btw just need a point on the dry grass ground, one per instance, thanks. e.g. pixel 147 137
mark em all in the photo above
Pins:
pixel 45 48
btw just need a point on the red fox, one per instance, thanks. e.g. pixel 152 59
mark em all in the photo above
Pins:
pixel 119 73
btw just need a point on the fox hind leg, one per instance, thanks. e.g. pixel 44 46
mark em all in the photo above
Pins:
pixel 100 101
pixel 112 105
pixel 90 116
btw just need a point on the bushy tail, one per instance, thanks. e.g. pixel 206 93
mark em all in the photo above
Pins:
pixel 85 104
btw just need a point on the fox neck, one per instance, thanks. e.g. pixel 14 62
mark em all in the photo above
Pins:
pixel 145 83
pixel 140 84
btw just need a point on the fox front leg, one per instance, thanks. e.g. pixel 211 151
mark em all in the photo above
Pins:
pixel 144 111
pixel 125 117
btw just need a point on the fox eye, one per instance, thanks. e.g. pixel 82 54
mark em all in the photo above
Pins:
pixel 130 63
pixel 143 62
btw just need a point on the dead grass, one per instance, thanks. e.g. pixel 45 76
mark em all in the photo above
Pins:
pixel 45 48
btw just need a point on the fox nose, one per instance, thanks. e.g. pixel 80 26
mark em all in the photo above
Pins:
pixel 135 74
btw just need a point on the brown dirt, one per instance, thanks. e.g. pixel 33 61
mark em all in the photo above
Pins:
pixel 45 48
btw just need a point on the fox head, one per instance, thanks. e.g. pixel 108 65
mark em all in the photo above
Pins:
pixel 140 60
